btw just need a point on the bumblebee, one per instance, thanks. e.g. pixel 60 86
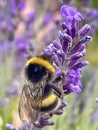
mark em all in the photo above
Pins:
pixel 38 95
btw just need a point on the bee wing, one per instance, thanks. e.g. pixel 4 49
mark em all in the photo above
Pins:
pixel 29 104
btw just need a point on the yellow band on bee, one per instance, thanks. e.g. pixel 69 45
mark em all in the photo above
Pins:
pixel 43 62
pixel 49 100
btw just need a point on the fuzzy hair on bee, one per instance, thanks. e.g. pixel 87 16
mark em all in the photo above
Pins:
pixel 38 95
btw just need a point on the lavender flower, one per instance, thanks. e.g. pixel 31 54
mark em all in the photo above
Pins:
pixel 69 13
pixel 3 102
pixel 14 91
pixel 10 127
pixel 69 58
pixel 25 126
pixel 91 16
pixel 97 100
pixel 94 116
pixel 31 18
pixel 15 6
pixel 43 122
pixel 11 45
pixel 48 17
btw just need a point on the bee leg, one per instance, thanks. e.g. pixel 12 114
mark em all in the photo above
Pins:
pixel 58 91
pixel 58 83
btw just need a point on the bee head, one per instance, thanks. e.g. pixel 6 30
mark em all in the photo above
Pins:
pixel 38 68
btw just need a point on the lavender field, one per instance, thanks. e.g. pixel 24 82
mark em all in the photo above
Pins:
pixel 62 35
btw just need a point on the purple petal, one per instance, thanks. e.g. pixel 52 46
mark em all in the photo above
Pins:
pixel 63 104
pixel 31 17
pixel 76 56
pixel 78 48
pixel 74 29
pixel 97 100
pixel 85 30
pixel 48 17
pixel 10 127
pixel 78 16
pixel 56 45
pixel 75 88
pixel 59 112
pixel 79 65
pixel 42 123
pixel 70 13
pixel 4 102
pixel 65 40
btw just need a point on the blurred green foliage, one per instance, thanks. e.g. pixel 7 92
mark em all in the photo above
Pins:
pixel 95 3
pixel 92 52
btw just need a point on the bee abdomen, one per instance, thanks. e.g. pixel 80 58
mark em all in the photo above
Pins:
pixel 50 103
pixel 50 100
